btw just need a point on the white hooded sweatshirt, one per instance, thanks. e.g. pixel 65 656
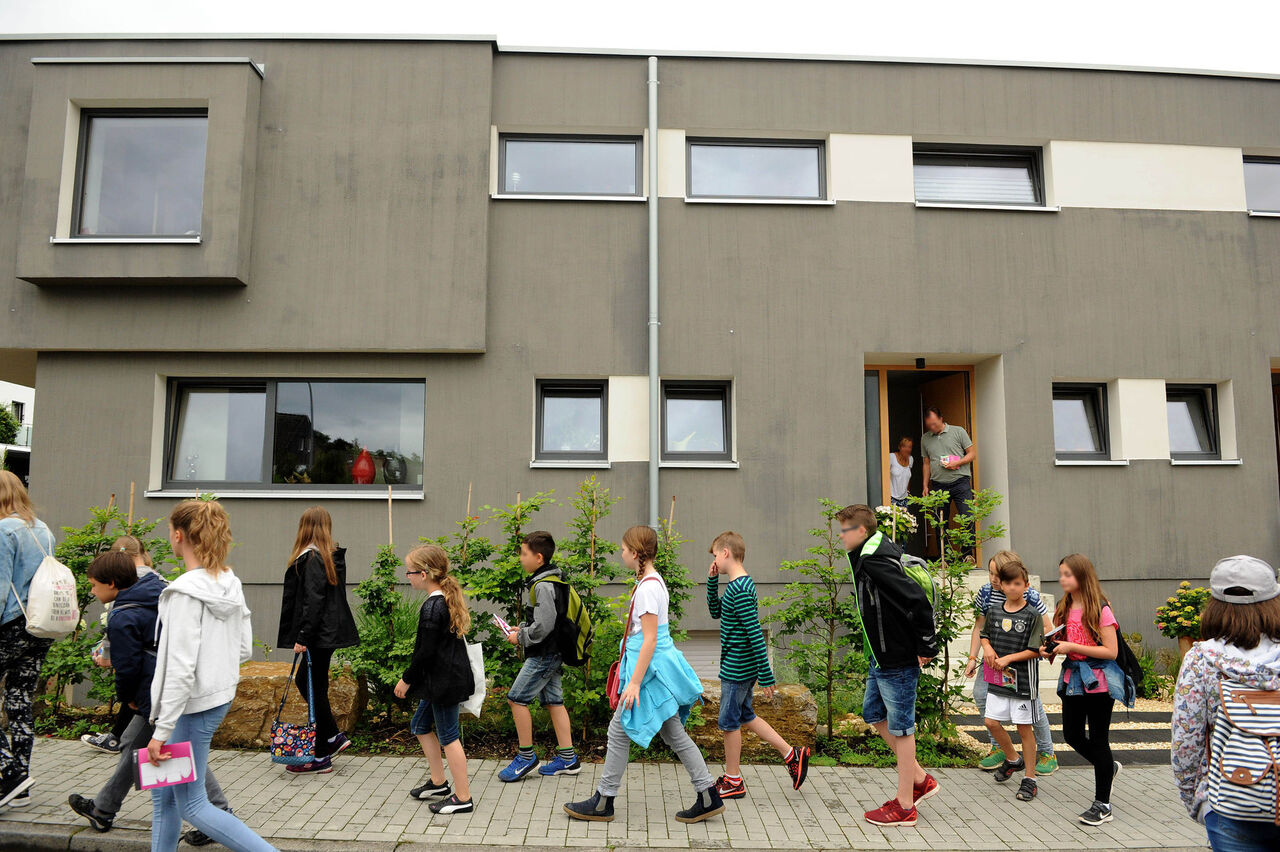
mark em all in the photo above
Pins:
pixel 204 636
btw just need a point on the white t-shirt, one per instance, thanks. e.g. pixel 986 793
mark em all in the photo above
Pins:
pixel 649 597
pixel 899 475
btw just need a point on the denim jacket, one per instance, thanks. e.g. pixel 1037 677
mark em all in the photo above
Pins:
pixel 1077 675
pixel 20 556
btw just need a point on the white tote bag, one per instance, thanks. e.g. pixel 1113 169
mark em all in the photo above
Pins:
pixel 475 653
pixel 52 609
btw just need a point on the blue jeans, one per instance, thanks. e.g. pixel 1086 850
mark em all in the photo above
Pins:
pixel 171 805
pixel 539 678
pixel 1237 835
pixel 961 493
pixel 891 697
pixel 735 703
pixel 434 717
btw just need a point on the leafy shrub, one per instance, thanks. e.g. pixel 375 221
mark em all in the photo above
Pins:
pixel 1180 614
pixel 387 623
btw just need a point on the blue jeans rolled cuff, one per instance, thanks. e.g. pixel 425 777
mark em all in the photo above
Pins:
pixel 736 707
pixel 890 697
pixel 433 717
pixel 539 679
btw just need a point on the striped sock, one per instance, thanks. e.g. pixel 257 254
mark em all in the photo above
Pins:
pixel 567 753
pixel 527 752
pixel 733 779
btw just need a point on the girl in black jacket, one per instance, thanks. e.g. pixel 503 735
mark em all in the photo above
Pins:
pixel 315 617
pixel 439 676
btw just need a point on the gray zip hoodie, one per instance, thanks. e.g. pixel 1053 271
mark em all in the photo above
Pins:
pixel 1195 704
pixel 203 623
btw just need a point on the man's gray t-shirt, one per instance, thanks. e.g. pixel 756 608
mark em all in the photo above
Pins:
pixel 951 441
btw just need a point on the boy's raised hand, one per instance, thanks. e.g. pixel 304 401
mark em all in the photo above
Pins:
pixel 714 570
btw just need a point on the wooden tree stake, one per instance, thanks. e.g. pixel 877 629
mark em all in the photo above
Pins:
pixel 391 539
pixel 129 523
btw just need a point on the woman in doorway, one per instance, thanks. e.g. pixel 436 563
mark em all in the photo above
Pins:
pixel 316 619
pixel 900 464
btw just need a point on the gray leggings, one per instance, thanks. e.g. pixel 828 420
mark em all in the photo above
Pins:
pixel 1040 725
pixel 136 736
pixel 672 733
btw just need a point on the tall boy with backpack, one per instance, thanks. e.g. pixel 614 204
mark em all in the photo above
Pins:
pixel 556 630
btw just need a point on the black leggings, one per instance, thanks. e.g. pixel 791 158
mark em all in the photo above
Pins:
pixel 326 727
pixel 1095 746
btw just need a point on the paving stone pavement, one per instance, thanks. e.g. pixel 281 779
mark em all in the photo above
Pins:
pixel 363 805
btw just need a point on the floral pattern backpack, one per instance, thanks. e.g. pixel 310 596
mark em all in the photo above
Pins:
pixel 295 745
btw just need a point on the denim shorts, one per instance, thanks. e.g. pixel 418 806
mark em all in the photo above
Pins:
pixel 735 703
pixel 891 697
pixel 432 717
pixel 539 679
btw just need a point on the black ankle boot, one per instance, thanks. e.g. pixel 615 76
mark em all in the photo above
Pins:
pixel 598 808
pixel 707 805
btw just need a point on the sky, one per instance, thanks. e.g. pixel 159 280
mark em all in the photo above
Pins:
pixel 1231 35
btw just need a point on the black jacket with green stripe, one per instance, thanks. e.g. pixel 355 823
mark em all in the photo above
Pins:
pixel 897 619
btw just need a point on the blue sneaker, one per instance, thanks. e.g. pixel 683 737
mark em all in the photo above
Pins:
pixel 560 765
pixel 519 767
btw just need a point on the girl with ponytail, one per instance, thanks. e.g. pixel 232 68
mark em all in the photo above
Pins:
pixel 439 676
pixel 658 689
pixel 205 635
pixel 316 619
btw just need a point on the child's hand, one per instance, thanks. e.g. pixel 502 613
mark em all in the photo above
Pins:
pixel 1001 663
pixel 989 657
pixel 766 692
pixel 1067 648
pixel 971 669
pixel 514 637
pixel 714 570
pixel 402 689
pixel 631 695
pixel 156 752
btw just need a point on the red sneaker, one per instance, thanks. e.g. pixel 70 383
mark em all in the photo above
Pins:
pixel 731 789
pixel 891 813
pixel 926 789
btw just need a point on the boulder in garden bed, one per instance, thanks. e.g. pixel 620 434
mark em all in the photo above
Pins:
pixel 792 713
pixel 253 710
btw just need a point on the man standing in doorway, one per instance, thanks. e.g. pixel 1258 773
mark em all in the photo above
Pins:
pixel 948 465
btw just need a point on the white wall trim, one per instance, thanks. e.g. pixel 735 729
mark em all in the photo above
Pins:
pixel 569 464
pixel 1144 418
pixel 1091 462
pixel 72 241
pixel 671 163
pixel 302 494
pixel 709 465
pixel 800 202
pixel 1264 214
pixel 1206 462
pixel 868 167
pixel 1146 176
pixel 1024 208
pixel 498 196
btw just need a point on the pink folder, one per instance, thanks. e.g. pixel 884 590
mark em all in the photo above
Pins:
pixel 1000 677
pixel 180 768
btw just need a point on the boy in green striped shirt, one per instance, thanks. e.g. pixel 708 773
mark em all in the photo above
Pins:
pixel 744 660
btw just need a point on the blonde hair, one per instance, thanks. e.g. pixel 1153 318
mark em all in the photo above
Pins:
pixel 1003 558
pixel 730 539
pixel 432 559
pixel 134 547
pixel 642 541
pixel 207 527
pixel 14 499
pixel 316 527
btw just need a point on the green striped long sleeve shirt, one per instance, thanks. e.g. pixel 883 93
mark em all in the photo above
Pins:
pixel 743 654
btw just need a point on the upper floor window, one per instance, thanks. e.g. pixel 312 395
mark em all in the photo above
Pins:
pixel 695 421
pixel 1080 429
pixel 260 434
pixel 19 411
pixel 1193 421
pixel 140 173
pixel 756 168
pixel 1262 184
pixel 572 420
pixel 570 165
pixel 997 176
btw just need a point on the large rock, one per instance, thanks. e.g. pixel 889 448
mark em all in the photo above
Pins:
pixel 792 713
pixel 248 722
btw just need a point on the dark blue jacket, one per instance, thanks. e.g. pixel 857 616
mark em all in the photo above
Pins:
pixel 131 630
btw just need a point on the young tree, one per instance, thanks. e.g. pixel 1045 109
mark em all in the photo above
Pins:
pixel 9 425
pixel 673 571
pixel 387 623
pixel 819 613
pixel 941 688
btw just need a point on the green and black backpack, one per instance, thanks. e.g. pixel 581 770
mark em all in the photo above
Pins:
pixel 574 631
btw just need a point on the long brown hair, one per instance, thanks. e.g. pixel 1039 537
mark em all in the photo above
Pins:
pixel 134 547
pixel 316 527
pixel 642 541
pixel 432 559
pixel 1088 596
pixel 207 527
pixel 1242 625
pixel 14 499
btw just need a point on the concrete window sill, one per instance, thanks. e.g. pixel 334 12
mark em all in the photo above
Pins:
pixel 1206 462
pixel 289 494
pixel 98 241
pixel 1264 214
pixel 1091 462
pixel 569 464
pixel 795 202
pixel 499 196
pixel 1025 208
pixel 708 465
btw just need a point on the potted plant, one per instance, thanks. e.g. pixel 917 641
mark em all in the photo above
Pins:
pixel 895 522
pixel 1179 616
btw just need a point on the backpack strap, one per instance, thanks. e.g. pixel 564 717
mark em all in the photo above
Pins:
pixel 39 544
pixel 626 627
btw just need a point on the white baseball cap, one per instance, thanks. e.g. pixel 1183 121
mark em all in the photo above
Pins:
pixel 1243 580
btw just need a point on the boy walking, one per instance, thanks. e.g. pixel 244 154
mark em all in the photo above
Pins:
pixel 539 677
pixel 131 636
pixel 898 638
pixel 1011 640
pixel 744 660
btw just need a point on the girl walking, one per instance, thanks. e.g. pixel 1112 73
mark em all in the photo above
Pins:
pixel 439 676
pixel 660 689
pixel 1091 680
pixel 24 541
pixel 205 635
pixel 1241 648
pixel 315 618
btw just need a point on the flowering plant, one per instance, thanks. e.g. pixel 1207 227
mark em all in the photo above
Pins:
pixel 895 521
pixel 1180 614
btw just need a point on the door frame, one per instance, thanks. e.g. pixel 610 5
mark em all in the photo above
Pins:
pixel 883 371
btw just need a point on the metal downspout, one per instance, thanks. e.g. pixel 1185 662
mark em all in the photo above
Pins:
pixel 655 432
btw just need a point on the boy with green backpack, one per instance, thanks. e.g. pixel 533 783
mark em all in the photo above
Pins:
pixel 556 630
pixel 899 637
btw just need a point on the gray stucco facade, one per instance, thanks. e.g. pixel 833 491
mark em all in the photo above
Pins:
pixel 358 237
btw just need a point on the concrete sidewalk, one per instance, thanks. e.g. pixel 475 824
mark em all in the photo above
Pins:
pixel 364 805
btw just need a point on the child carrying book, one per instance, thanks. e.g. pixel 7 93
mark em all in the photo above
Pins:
pixel 744 660
pixel 1011 640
